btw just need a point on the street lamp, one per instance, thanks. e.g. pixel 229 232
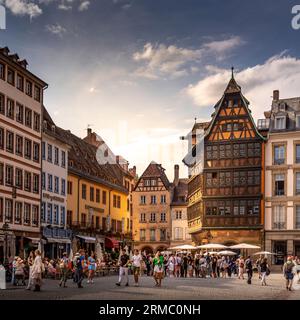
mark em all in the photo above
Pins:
pixel 5 228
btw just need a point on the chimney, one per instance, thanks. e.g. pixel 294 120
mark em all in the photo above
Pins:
pixel 176 175
pixel 89 131
pixel 276 95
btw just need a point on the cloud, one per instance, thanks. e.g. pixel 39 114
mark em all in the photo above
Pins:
pixel 84 5
pixel 172 61
pixel 258 82
pixel 23 8
pixel 56 29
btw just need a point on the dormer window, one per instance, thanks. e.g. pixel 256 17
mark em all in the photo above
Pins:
pixel 53 128
pixel 298 121
pixel 280 123
pixel 282 107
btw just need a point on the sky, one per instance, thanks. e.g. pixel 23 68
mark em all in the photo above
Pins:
pixel 138 72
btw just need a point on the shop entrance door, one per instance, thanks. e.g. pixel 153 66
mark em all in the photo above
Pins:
pixel 279 248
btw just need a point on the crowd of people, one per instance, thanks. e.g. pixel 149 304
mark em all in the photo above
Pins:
pixel 158 266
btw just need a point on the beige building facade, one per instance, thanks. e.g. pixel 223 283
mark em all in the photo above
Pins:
pixel 151 210
pixel 282 176
pixel 21 100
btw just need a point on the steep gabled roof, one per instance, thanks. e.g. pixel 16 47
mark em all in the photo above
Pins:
pixel 155 170
pixel 232 87
pixel 180 193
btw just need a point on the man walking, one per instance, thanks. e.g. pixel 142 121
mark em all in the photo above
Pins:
pixel 288 273
pixel 249 269
pixel 136 266
pixel 79 263
pixel 64 264
pixel 123 264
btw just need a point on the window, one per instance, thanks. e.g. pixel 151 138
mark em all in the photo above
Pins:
pixel 297 152
pixel 163 217
pixel 1 138
pixel 56 161
pixel 298 121
pixel 152 217
pixel 28 118
pixel 97 222
pixel 2 71
pixel 19 113
pixel 147 183
pixel 103 197
pixel 1 209
pixel 278 217
pixel 50 182
pixel 279 155
pixel 63 159
pixel 35 215
pixel 44 181
pixel 142 234
pixel 20 82
pixel 56 214
pixel 19 178
pixel 2 104
pixel 178 215
pixel 83 219
pixel 36 183
pixel 49 152
pixel 9 210
pixel 49 213
pixel 153 199
pixel 116 201
pixel 27 152
pixel 279 184
pixel 280 123
pixel 27 181
pixel 97 195
pixel 43 150
pixel 43 212
pixel 297 183
pixel 56 184
pixel 143 217
pixel 143 200
pixel 1 173
pixel 37 93
pixel 83 191
pixel 9 174
pixel 36 152
pixel 18 212
pixel 178 233
pixel 62 215
pixel 163 198
pixel 10 109
pixel 163 234
pixel 153 182
pixel 29 88
pixel 152 234
pixel 70 187
pixel 297 217
pixel 9 141
pixel 92 194
pixel 36 122
pixel 11 76
pixel 63 187
pixel 69 217
pixel 27 213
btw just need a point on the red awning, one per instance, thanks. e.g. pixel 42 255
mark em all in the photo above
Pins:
pixel 111 243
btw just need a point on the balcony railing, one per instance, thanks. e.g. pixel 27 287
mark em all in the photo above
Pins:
pixel 263 124
pixel 279 225
pixel 231 221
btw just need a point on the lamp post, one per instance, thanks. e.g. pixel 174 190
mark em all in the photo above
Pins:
pixel 5 228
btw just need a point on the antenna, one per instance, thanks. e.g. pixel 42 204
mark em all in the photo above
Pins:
pixel 232 69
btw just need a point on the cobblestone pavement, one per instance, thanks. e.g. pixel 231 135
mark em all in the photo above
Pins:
pixel 104 288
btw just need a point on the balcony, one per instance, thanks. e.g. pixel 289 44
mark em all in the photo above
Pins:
pixel 279 226
pixel 263 124
pixel 232 221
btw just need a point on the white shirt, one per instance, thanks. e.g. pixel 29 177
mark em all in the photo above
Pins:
pixel 136 261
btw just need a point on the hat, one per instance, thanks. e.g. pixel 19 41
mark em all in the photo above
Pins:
pixel 64 254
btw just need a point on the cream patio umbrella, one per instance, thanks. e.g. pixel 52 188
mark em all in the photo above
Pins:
pixel 183 247
pixel 263 253
pixel 227 253
pixel 244 246
pixel 212 246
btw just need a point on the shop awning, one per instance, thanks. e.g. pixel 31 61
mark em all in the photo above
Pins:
pixel 87 239
pixel 58 240
pixel 111 243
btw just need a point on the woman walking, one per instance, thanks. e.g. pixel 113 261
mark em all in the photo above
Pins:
pixel 288 273
pixel 241 265
pixel 91 268
pixel 30 264
pixel 64 265
pixel 264 270
pixel 158 264
pixel 136 266
pixel 37 270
